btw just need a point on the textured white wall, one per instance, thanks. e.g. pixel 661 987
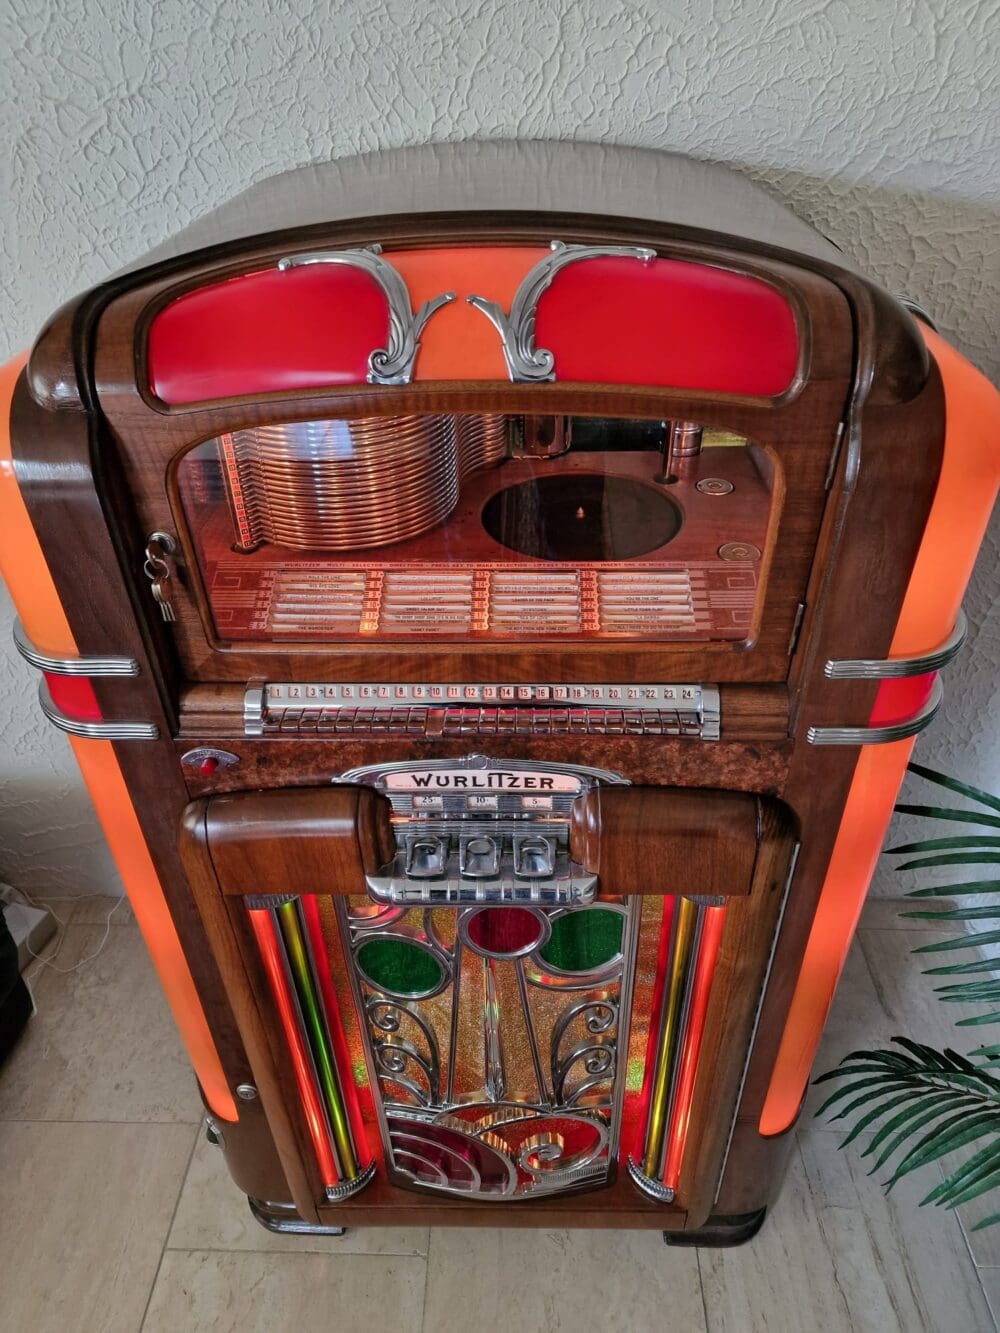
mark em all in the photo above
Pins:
pixel 122 120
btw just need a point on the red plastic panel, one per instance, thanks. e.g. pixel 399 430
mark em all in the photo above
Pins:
pixel 74 696
pixel 266 332
pixel 899 700
pixel 689 326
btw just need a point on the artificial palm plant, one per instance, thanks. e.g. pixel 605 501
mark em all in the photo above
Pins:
pixel 921 1104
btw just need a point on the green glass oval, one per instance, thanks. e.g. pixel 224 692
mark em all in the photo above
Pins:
pixel 399 966
pixel 581 941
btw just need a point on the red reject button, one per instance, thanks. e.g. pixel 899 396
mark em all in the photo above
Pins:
pixel 208 766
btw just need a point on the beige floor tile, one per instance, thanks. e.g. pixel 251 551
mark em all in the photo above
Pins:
pixel 481 1278
pixel 102 1045
pixel 213 1215
pixel 86 1211
pixel 907 996
pixel 200 1290
pixel 990 1278
pixel 834 1254
pixel 895 1259
pixel 93 909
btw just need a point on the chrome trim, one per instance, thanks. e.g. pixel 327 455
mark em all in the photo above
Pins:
pixel 661 1193
pixel 71 666
pixel 915 308
pixel 95 731
pixel 271 1218
pixel 392 364
pixel 895 731
pixel 334 1193
pixel 896 668
pixel 525 362
pixel 792 863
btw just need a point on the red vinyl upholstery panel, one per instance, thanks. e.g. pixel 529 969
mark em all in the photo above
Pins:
pixel 266 332
pixel 668 322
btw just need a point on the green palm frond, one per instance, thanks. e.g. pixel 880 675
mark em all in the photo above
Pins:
pixel 937 1102
pixel 970 849
pixel 918 1104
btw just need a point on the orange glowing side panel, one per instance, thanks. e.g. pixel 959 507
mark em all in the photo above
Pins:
pixel 459 343
pixel 37 601
pixel 967 488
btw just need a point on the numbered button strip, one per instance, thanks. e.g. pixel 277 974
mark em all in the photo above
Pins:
pixel 483 709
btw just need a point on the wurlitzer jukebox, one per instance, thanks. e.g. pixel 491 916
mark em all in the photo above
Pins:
pixel 491 591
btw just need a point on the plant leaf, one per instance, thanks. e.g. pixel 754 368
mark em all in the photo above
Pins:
pixel 990 1221
pixel 953 784
pixel 988 913
pixel 943 812
pixel 952 859
pixel 956 969
pixel 930 1107
pixel 963 1175
pixel 971 941
pixel 955 890
pixel 971 841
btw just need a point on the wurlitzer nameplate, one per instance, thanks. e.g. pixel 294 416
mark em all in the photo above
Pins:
pixel 481 830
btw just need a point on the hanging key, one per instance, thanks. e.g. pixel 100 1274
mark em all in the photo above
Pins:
pixel 158 568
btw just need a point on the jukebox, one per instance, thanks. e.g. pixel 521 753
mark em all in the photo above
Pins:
pixel 491 591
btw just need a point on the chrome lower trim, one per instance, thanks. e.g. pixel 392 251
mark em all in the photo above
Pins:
pixel 899 667
pixel 895 731
pixel 71 666
pixel 654 1188
pixel 527 363
pixel 334 1193
pixel 95 731
pixel 282 1219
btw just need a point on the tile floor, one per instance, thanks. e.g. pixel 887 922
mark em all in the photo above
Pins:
pixel 119 1216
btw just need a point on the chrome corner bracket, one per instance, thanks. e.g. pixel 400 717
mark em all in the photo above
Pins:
pixel 655 1189
pixel 527 363
pixel 392 364
pixel 899 667
pixel 95 731
pixel 71 666
pixel 894 731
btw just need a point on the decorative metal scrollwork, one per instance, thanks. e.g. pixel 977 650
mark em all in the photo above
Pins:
pixel 392 364
pixel 527 363
pixel 394 1054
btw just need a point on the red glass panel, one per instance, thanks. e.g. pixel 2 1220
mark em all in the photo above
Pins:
pixel 504 931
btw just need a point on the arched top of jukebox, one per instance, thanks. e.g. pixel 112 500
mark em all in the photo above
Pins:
pixel 698 240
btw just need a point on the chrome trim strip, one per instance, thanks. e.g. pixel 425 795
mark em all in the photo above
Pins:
pixel 284 1220
pixel 71 666
pixel 525 362
pixel 654 1188
pixel 95 731
pixel 899 667
pixel 896 731
pixel 392 364
pixel 915 308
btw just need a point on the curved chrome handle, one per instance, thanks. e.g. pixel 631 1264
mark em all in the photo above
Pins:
pixel 95 731
pixel 71 666
pixel 896 668
pixel 392 364
pixel 894 731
